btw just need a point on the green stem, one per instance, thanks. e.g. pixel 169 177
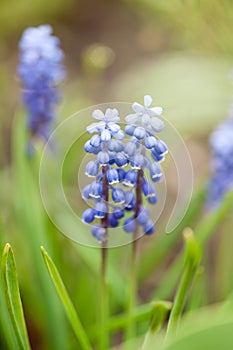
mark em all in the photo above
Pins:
pixel 130 330
pixel 119 322
pixel 198 297
pixel 191 263
pixel 179 302
pixel 104 301
pixel 163 243
pixel 103 345
pixel 141 314
pixel 132 292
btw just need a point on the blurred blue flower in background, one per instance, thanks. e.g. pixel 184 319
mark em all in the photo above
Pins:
pixel 221 143
pixel 40 71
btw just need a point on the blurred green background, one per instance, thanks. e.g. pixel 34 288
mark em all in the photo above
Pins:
pixel 179 52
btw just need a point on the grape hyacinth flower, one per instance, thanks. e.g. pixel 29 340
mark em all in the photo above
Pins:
pixel 144 151
pixel 107 146
pixel 119 170
pixel 222 163
pixel 40 71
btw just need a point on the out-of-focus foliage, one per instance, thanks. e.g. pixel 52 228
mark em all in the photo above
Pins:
pixel 205 25
pixel 194 89
pixel 16 15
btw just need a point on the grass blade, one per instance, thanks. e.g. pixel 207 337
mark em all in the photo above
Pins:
pixel 31 223
pixel 7 334
pixel 158 316
pixel 203 232
pixel 66 301
pixel 164 242
pixel 15 308
pixel 192 259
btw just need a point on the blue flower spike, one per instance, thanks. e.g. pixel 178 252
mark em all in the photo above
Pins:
pixel 221 146
pixel 144 152
pixel 106 145
pixel 40 70
pixel 117 191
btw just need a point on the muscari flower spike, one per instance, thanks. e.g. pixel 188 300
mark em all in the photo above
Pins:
pixel 221 146
pixel 119 169
pixel 107 170
pixel 144 151
pixel 40 70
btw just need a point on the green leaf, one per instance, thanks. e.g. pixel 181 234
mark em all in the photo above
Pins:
pixel 198 296
pixel 199 329
pixel 7 334
pixel 31 221
pixel 192 259
pixel 203 232
pixel 214 338
pixel 15 308
pixel 163 243
pixel 66 301
pixel 159 313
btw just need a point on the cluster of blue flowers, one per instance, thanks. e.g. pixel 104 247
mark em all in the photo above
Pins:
pixel 222 163
pixel 40 71
pixel 119 169
pixel 107 146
